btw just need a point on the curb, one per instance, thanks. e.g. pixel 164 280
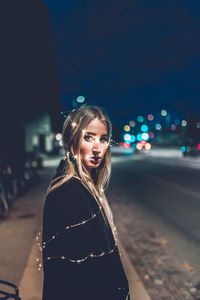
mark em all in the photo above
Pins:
pixel 136 286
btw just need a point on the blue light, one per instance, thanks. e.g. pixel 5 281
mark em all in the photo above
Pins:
pixel 158 126
pixel 132 138
pixel 80 99
pixel 127 137
pixel 145 136
pixel 183 149
pixel 144 128
pixel 139 137
pixel 140 119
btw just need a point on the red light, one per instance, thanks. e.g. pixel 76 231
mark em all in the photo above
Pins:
pixel 198 147
pixel 126 145
pixel 143 143
pixel 151 135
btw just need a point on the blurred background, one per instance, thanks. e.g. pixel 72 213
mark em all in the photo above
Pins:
pixel 139 60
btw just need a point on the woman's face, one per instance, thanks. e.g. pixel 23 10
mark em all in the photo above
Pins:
pixel 94 144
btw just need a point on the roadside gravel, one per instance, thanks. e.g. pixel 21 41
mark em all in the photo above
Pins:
pixel 163 276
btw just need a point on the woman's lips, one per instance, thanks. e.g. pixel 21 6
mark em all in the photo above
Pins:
pixel 95 159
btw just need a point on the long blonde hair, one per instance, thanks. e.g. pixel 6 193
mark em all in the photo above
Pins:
pixel 72 135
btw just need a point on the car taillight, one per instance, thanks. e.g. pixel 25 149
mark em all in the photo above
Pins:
pixel 198 147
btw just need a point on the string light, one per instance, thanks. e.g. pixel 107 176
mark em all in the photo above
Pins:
pixel 42 246
pixel 80 260
pixel 69 227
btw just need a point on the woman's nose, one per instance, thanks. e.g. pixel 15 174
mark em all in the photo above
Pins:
pixel 96 147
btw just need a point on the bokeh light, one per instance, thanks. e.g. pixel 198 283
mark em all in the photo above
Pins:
pixel 139 137
pixel 132 123
pixel 163 112
pixel 150 117
pixel 144 128
pixel 151 134
pixel 127 128
pixel 139 146
pixel 127 137
pixel 173 127
pixel 133 138
pixel 58 136
pixel 140 119
pixel 80 99
pixel 158 126
pixel 147 146
pixel 184 123
pixel 145 136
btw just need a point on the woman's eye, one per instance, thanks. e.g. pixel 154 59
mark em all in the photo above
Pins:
pixel 104 140
pixel 88 138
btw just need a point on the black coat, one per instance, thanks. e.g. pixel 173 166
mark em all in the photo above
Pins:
pixel 74 266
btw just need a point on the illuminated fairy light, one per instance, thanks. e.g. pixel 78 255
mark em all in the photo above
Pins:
pixel 69 227
pixel 80 260
pixel 114 142
pixel 83 131
pixel 42 246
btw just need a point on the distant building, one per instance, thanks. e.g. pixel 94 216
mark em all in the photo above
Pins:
pixel 38 135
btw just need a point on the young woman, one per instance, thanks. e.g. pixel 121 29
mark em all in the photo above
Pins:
pixel 80 253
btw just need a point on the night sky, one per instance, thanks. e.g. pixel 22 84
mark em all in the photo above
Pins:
pixel 129 56
pixel 132 57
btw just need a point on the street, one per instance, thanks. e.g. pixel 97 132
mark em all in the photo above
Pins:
pixel 155 200
pixel 169 193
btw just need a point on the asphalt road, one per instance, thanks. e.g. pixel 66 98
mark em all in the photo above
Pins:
pixel 167 189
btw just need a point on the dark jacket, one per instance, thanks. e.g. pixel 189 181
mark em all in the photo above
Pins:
pixel 80 259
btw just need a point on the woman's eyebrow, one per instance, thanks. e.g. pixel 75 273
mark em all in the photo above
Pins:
pixel 92 133
pixel 89 132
